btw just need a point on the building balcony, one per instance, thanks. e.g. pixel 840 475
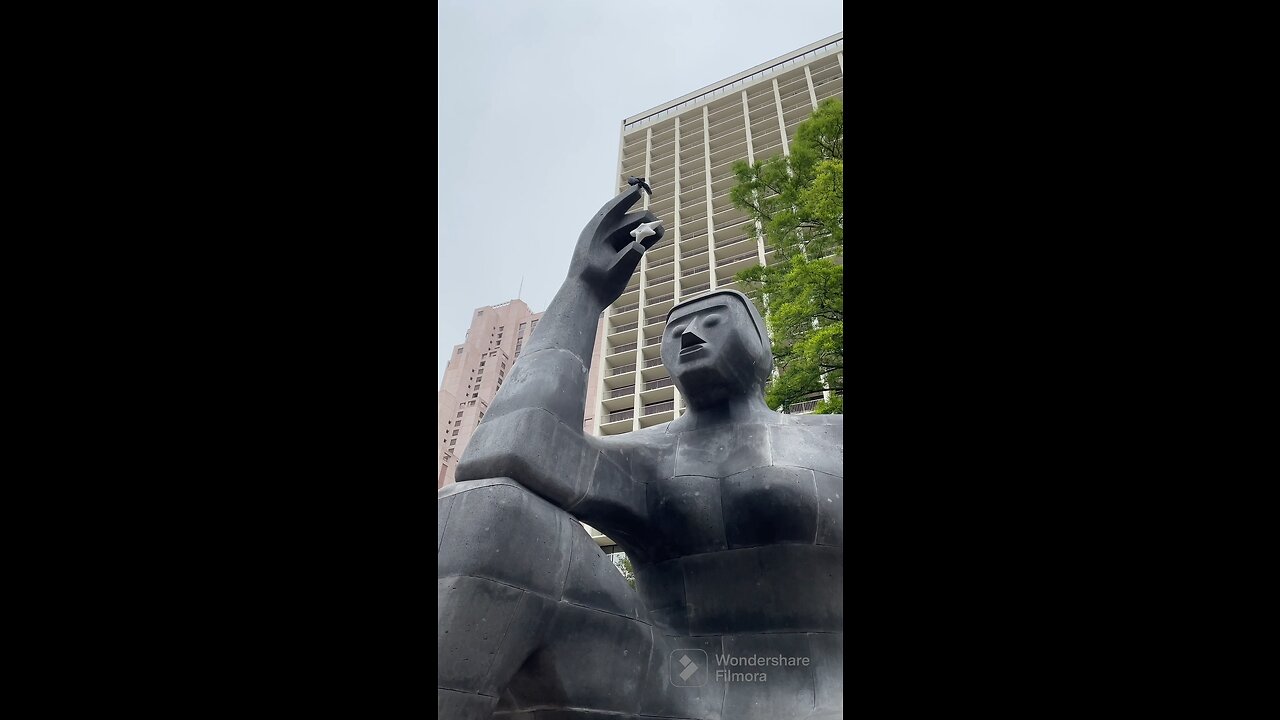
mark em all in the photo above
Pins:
pixel 616 427
pixel 656 371
pixel 658 396
pixel 722 245
pixel 660 407
pixel 734 263
pixel 657 418
pixel 659 299
pixel 660 305
pixel 694 257
pixel 625 313
pixel 620 403
pixel 662 264
pixel 620 415
pixel 659 383
pixel 621 370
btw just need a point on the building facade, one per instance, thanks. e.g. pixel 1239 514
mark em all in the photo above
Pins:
pixel 476 369
pixel 686 148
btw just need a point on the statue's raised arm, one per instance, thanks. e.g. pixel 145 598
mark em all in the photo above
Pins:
pixel 533 432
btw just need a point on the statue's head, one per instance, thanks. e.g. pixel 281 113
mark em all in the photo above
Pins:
pixel 716 346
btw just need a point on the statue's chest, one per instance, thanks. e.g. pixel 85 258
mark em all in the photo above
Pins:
pixel 754 485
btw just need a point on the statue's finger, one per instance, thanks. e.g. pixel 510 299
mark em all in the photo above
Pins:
pixel 620 204
pixel 627 259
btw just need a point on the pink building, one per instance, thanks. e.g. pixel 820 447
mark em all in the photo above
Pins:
pixel 476 369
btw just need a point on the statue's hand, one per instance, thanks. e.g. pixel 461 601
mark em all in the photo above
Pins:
pixel 607 253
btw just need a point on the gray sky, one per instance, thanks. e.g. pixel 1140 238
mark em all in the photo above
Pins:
pixel 531 100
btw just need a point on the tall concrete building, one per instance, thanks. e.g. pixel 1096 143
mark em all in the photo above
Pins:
pixel 686 148
pixel 476 370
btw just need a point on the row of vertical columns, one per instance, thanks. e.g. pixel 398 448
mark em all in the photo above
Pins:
pixel 711 230
pixel 782 122
pixel 637 382
pixel 677 401
pixel 751 160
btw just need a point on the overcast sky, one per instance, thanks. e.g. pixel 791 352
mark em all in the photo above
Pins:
pixel 531 99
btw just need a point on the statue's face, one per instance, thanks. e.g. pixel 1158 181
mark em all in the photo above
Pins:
pixel 711 348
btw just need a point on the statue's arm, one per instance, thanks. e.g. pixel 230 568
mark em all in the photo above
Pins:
pixel 533 431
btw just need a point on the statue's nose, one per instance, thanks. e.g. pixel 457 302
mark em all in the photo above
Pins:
pixel 689 338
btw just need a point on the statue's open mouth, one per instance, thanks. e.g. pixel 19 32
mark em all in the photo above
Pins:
pixel 691 350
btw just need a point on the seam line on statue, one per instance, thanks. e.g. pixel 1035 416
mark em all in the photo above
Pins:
pixel 505 630
pixel 463 692
pixel 817 506
pixel 568 568
pixel 756 632
pixel 445 526
pixel 784 543
pixel 500 582
pixel 531 353
pixel 642 621
pixel 724 695
pixel 591 483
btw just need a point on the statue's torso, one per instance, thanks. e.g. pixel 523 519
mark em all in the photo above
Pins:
pixel 746 527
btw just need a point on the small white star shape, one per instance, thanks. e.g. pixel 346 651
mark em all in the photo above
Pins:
pixel 644 230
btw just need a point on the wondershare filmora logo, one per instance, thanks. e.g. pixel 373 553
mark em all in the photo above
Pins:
pixel 688 667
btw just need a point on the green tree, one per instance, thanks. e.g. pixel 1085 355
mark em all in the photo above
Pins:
pixel 798 199
pixel 623 563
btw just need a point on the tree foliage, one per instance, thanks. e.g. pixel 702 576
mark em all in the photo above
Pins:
pixel 798 200
pixel 623 563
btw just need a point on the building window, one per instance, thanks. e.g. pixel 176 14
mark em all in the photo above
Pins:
pixel 459 413
pixel 473 402
pixel 482 363
pixel 452 443
pixel 459 351
pixel 455 433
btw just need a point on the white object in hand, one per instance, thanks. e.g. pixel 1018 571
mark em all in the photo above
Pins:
pixel 644 230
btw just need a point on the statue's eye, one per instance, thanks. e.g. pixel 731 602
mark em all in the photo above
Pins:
pixel 677 330
pixel 712 320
